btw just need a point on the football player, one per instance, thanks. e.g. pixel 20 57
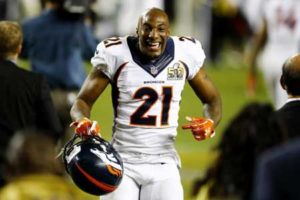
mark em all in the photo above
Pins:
pixel 147 73
pixel 277 40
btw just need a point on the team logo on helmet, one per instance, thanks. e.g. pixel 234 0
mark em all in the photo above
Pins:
pixel 93 164
pixel 110 160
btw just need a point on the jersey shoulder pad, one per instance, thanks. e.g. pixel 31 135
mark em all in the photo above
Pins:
pixel 189 50
pixel 187 44
pixel 110 54
pixel 114 46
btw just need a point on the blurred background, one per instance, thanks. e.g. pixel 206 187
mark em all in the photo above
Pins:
pixel 225 29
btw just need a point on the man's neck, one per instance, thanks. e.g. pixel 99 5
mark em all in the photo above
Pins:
pixel 290 96
pixel 12 58
pixel 293 98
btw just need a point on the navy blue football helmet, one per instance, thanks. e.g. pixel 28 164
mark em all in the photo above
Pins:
pixel 93 164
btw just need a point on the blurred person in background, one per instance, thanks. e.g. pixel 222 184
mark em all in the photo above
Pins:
pixel 277 173
pixel 26 100
pixel 278 38
pixel 33 171
pixel 220 25
pixel 105 22
pixel 250 9
pixel 9 10
pixel 251 132
pixel 129 11
pixel 229 28
pixel 288 114
pixel 17 10
pixel 57 42
pixel 112 16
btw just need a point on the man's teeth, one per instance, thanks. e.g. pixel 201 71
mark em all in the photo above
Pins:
pixel 154 45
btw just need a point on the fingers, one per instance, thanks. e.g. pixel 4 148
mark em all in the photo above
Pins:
pixel 190 125
pixel 202 135
pixel 86 127
pixel 193 126
pixel 83 127
pixel 201 128
pixel 186 126
pixel 199 137
pixel 195 119
pixel 212 134
pixel 198 123
pixel 188 118
pixel 73 124
pixel 206 132
pixel 94 129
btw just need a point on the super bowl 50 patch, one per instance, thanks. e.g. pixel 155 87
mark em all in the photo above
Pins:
pixel 176 72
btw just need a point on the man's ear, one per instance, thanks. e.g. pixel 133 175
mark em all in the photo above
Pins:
pixel 282 82
pixel 19 49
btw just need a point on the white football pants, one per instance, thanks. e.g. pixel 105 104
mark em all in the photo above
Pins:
pixel 160 181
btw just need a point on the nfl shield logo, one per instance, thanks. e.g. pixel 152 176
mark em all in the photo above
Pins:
pixel 153 70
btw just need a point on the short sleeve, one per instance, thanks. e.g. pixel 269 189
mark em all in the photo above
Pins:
pixel 192 53
pixel 110 54
pixel 198 56
pixel 103 60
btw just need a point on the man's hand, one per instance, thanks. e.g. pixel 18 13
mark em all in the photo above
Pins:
pixel 201 128
pixel 86 127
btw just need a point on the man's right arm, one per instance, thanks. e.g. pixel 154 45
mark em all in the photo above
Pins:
pixel 93 86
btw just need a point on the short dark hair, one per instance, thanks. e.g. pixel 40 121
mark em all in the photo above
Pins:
pixel 291 78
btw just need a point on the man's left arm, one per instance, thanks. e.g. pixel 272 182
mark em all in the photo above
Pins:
pixel 209 96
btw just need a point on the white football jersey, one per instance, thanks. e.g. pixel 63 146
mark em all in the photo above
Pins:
pixel 283 25
pixel 146 94
pixel 283 40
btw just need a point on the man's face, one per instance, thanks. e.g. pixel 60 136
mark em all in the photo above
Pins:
pixel 153 32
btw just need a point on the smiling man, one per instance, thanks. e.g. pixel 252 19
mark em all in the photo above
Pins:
pixel 153 31
pixel 147 73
